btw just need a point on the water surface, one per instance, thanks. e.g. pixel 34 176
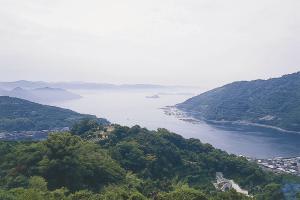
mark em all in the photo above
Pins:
pixel 132 107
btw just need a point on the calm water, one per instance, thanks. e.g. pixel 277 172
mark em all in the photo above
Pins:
pixel 132 107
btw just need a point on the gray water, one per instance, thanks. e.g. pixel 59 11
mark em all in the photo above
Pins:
pixel 133 108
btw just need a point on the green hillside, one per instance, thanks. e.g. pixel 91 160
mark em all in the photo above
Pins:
pixel 22 115
pixel 274 102
pixel 120 163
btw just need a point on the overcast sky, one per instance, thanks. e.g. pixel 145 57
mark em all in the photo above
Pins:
pixel 189 42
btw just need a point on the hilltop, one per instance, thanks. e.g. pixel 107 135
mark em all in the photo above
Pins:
pixel 22 115
pixel 273 102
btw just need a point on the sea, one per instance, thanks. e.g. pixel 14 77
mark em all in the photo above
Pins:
pixel 146 108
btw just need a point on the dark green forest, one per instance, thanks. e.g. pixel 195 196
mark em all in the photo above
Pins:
pixel 95 162
pixel 274 102
pixel 22 115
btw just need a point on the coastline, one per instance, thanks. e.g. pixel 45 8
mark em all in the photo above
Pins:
pixel 246 123
pixel 190 116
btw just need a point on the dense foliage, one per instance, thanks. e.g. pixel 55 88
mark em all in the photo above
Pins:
pixel 125 163
pixel 274 102
pixel 21 115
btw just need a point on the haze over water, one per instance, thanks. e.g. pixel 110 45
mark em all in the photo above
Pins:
pixel 133 108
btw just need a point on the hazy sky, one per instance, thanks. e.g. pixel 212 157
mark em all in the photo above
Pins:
pixel 191 42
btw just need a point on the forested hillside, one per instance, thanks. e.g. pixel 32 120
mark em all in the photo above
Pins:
pixel 22 115
pixel 273 102
pixel 115 162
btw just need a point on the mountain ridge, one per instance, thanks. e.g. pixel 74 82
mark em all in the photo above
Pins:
pixel 40 95
pixel 82 85
pixel 273 102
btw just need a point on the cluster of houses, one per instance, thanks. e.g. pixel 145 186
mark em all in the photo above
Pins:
pixel 29 135
pixel 43 134
pixel 281 165
pixel 100 135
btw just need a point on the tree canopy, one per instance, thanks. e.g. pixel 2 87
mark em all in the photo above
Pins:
pixel 126 163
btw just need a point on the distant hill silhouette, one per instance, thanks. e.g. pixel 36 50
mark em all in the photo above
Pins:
pixel 40 95
pixel 80 85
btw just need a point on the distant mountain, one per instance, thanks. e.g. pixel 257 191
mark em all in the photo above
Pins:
pixel 81 85
pixel 23 84
pixel 21 93
pixel 40 95
pixel 47 94
pixel 273 102
pixel 101 86
pixel 22 115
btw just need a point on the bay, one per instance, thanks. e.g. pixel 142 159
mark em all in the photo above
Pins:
pixel 136 107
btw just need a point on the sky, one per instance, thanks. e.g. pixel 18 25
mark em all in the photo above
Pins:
pixel 203 43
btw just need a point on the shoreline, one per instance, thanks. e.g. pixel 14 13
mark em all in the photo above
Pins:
pixel 245 123
pixel 189 116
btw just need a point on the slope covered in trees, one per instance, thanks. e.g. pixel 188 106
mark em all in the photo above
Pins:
pixel 115 162
pixel 22 115
pixel 273 102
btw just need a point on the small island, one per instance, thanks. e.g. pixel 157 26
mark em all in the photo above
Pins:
pixel 153 97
